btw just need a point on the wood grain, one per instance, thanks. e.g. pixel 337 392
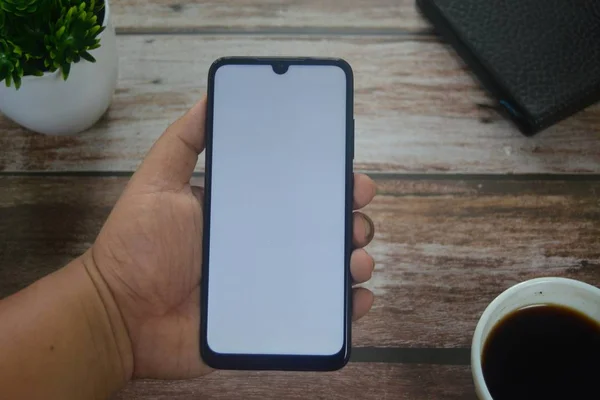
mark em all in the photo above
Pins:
pixel 444 248
pixel 417 110
pixel 356 381
pixel 257 15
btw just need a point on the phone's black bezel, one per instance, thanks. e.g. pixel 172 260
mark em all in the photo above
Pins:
pixel 279 362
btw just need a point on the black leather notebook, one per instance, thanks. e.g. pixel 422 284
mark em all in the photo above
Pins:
pixel 539 58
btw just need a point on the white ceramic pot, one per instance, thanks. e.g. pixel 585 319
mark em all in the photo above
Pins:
pixel 48 104
pixel 559 291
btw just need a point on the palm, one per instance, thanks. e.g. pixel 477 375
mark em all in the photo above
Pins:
pixel 152 265
pixel 149 252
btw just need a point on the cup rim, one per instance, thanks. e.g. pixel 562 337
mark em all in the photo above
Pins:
pixel 477 342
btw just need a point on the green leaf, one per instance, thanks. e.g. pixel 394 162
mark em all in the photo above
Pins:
pixel 87 56
pixel 66 69
pixel 95 30
pixel 60 32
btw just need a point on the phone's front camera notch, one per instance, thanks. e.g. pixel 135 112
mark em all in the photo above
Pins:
pixel 280 68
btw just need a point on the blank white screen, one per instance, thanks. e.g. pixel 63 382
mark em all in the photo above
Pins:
pixel 277 223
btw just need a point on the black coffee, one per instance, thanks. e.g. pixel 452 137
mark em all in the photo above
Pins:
pixel 543 352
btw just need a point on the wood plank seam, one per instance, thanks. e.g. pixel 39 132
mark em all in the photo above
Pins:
pixel 404 355
pixel 283 31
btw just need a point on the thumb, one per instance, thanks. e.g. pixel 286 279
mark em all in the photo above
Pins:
pixel 171 161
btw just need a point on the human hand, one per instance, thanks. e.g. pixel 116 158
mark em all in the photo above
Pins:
pixel 149 254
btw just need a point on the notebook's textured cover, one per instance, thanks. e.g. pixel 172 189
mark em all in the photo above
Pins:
pixel 539 58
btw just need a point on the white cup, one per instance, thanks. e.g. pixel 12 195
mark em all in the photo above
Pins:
pixel 559 291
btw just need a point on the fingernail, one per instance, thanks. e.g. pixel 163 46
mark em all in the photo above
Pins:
pixel 370 228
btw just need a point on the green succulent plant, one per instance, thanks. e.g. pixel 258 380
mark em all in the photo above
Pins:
pixel 38 36
pixel 2 19
pixel 10 63
pixel 21 8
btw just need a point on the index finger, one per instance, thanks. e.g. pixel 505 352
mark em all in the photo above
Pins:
pixel 364 190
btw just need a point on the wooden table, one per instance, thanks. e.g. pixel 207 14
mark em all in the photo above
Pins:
pixel 466 208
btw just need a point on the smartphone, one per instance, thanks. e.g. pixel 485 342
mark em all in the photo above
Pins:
pixel 276 285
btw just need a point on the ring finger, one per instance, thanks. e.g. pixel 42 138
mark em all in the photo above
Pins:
pixel 361 266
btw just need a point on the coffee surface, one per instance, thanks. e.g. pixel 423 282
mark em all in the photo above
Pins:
pixel 543 352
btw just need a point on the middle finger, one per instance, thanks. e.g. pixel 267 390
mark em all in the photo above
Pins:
pixel 363 230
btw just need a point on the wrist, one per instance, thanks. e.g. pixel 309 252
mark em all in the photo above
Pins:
pixel 115 343
pixel 65 334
